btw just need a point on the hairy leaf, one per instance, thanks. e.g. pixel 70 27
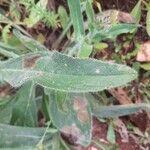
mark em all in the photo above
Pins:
pixel 29 42
pixel 24 111
pixel 114 31
pixel 85 50
pixel 118 111
pixel 76 16
pixel 6 105
pixel 75 121
pixel 21 138
pixel 136 12
pixel 90 14
pixel 60 72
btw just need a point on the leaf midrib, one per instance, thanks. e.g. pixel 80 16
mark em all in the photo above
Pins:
pixel 52 74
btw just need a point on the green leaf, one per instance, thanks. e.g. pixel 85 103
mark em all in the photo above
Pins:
pixel 148 22
pixel 50 18
pixel 4 19
pixel 29 42
pixel 76 120
pixel 5 33
pixel 4 50
pixel 76 17
pixel 60 72
pixel 22 138
pixel 85 50
pixel 145 66
pixel 118 111
pixel 136 11
pixel 59 144
pixel 36 13
pixel 100 46
pixel 6 105
pixel 90 14
pixel 24 111
pixel 63 16
pixel 111 134
pixel 114 31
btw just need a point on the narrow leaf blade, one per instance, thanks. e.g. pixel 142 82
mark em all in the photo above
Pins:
pixel 114 31
pixel 148 22
pixel 76 16
pixel 24 111
pixel 22 137
pixel 29 42
pixel 136 12
pixel 118 111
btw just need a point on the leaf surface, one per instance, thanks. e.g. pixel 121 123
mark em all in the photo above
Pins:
pixel 61 72
pixel 24 111
pixel 29 42
pixel 118 111
pixel 76 17
pixel 114 31
pixel 21 138
pixel 136 12
pixel 148 22
pixel 75 120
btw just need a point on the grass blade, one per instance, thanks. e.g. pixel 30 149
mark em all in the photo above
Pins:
pixel 76 16
pixel 118 111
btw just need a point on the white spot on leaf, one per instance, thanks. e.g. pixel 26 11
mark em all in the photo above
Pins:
pixel 97 71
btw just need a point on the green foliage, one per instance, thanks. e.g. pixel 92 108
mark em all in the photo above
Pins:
pixel 114 31
pixel 65 73
pixel 85 50
pixel 136 12
pixel 65 82
pixel 24 137
pixel 118 111
pixel 35 14
pixel 148 22
pixel 111 134
pixel 147 17
pixel 75 120
pixel 39 12
pixel 63 16
pixel 90 14
pixel 145 66
pixel 29 42
pixel 15 14
pixel 76 17
pixel 6 31
pixel 6 106
pixel 26 115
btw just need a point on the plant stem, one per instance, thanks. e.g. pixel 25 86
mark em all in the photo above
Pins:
pixel 7 53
